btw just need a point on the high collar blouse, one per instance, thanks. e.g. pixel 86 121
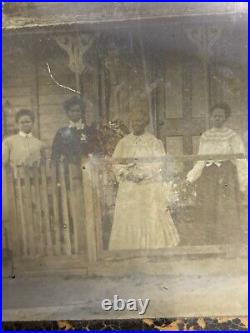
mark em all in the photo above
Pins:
pixel 220 141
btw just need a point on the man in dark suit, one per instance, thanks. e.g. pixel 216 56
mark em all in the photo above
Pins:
pixel 77 140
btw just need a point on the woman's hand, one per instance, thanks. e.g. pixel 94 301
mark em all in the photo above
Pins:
pixel 133 178
pixel 187 183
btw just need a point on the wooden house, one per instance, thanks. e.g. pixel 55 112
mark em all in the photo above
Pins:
pixel 180 58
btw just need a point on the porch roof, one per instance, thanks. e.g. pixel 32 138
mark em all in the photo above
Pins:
pixel 30 15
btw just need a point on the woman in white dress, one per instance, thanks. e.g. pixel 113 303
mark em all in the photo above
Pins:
pixel 219 183
pixel 141 217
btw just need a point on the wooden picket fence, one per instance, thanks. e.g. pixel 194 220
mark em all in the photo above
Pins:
pixel 62 210
pixel 43 211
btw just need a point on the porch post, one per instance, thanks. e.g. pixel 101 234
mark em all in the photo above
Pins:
pixel 205 37
pixel 89 210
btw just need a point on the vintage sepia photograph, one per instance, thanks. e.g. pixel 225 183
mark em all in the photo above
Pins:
pixel 124 160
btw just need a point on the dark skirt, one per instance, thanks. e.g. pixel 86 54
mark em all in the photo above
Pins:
pixel 218 218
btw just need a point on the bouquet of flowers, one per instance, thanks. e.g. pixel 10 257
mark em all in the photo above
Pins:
pixel 180 193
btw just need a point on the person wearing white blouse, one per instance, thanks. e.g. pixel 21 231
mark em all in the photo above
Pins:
pixel 21 149
pixel 141 218
pixel 219 183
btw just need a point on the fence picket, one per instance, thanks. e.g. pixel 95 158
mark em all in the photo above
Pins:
pixel 40 237
pixel 28 204
pixel 11 222
pixel 65 212
pixel 99 198
pixel 56 216
pixel 21 214
pixel 74 198
pixel 45 207
pixel 89 206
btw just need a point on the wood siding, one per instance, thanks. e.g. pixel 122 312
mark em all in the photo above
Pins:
pixel 121 66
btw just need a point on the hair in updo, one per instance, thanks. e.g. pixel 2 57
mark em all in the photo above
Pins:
pixel 72 101
pixel 25 112
pixel 223 106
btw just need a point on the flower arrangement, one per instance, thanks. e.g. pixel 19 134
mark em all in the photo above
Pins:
pixel 180 193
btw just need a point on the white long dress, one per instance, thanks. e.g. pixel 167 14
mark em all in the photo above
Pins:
pixel 141 217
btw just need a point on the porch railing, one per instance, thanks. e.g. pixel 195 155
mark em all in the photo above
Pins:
pixel 59 210
pixel 43 210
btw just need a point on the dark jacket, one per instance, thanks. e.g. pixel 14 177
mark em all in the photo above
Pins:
pixel 71 144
